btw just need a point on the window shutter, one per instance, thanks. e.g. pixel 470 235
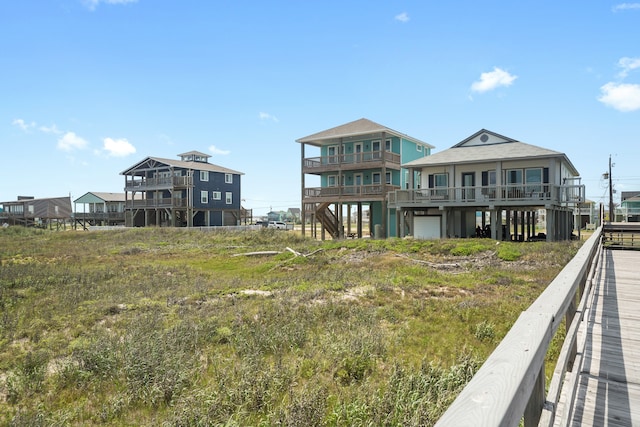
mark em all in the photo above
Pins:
pixel 545 175
pixel 430 180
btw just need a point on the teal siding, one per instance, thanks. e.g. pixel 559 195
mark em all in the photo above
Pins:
pixel 410 152
pixel 366 144
pixel 391 226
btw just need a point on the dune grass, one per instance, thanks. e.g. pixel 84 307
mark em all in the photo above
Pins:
pixel 168 327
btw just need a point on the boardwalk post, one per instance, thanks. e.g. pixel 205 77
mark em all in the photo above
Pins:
pixel 536 402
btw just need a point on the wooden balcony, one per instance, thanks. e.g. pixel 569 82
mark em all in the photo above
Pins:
pixel 506 195
pixel 156 203
pixel 355 161
pixel 150 184
pixel 348 193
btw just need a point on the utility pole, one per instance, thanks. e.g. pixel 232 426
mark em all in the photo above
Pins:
pixel 611 209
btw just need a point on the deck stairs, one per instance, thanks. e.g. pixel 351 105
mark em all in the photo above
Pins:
pixel 328 219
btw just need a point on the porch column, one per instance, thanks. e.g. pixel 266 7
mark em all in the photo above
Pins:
pixel 303 215
pixel 359 220
pixel 495 218
pixel 551 229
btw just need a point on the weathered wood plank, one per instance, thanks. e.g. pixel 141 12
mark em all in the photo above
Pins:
pixel 609 381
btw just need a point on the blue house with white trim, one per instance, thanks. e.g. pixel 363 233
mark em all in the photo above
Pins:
pixel 190 192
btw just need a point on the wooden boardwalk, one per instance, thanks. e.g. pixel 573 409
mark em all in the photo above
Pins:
pixel 607 391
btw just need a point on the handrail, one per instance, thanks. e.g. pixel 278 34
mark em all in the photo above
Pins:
pixel 538 193
pixel 510 384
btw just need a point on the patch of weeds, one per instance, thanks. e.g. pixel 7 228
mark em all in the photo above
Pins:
pixel 306 408
pixel 484 331
pixel 353 369
pixel 469 247
pixel 509 252
pixel 28 379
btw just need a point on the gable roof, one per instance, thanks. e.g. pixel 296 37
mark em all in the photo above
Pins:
pixel 97 197
pixel 486 146
pixel 154 162
pixel 352 131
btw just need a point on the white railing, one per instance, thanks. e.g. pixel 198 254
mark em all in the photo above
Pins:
pixel 566 195
pixel 510 385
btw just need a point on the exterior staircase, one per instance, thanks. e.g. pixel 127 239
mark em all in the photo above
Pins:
pixel 328 219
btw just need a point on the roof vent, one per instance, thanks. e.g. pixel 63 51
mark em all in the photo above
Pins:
pixel 484 137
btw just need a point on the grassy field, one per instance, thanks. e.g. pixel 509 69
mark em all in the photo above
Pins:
pixel 183 328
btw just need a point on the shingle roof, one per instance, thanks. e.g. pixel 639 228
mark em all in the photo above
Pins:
pixel 509 149
pixel 109 197
pixel 185 165
pixel 352 129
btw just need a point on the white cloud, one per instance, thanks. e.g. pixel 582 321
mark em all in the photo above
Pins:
pixel 621 96
pixel 70 141
pixel 492 80
pixel 118 147
pixel 626 6
pixel 402 17
pixel 92 4
pixel 215 150
pixel 23 125
pixel 627 65
pixel 266 116
pixel 50 129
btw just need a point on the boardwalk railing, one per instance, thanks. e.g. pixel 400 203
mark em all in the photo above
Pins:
pixel 510 385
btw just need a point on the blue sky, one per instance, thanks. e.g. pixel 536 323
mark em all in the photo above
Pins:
pixel 91 87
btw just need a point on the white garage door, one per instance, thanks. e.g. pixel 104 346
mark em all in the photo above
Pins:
pixel 426 227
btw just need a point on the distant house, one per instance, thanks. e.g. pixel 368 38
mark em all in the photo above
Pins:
pixel 630 206
pixel 190 192
pixel 356 164
pixel 587 214
pixel 276 216
pixel 100 209
pixel 492 184
pixel 29 211
pixel 293 215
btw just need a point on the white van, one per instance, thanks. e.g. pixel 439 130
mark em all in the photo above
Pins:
pixel 278 225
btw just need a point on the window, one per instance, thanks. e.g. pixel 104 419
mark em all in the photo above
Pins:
pixel 375 145
pixel 514 176
pixel 514 183
pixel 388 177
pixel 440 183
pixel 332 153
pixel 387 145
pixel 216 195
pixel 489 183
pixel 533 179
pixel 228 197
pixel 228 178
pixel 418 147
pixel 204 175
pixel 204 197
pixel 332 181
pixel 375 178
